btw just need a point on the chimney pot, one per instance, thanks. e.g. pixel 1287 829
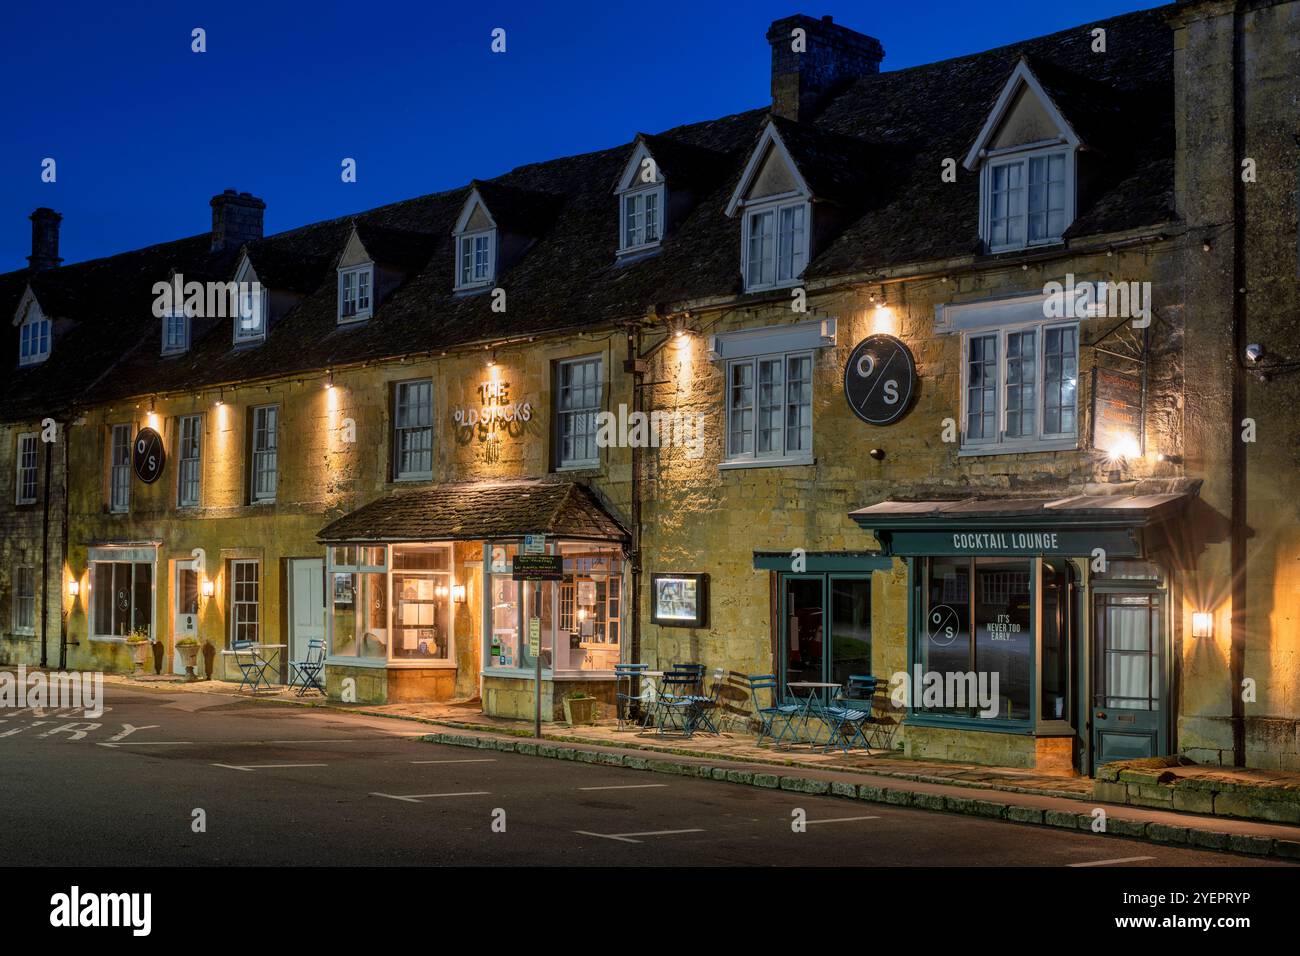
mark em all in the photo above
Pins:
pixel 236 219
pixel 833 57
pixel 45 239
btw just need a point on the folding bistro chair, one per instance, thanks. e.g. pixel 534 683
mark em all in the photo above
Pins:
pixel 623 702
pixel 707 708
pixel 676 700
pixel 850 711
pixel 767 716
pixel 252 668
pixel 309 669
pixel 884 719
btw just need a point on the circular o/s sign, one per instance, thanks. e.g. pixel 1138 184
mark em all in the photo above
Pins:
pixel 147 455
pixel 943 625
pixel 880 380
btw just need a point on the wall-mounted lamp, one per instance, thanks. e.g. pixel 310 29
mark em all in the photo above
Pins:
pixel 209 587
pixel 329 383
pixel 1202 624
pixel 492 359
pixel 458 593
pixel 74 587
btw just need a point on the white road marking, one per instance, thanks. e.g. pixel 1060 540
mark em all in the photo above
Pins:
pixel 629 786
pixel 268 766
pixel 467 760
pixel 839 820
pixel 627 837
pixel 146 743
pixel 1126 859
pixel 417 797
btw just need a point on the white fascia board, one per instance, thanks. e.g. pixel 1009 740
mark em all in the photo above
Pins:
pixel 771 138
pixel 1022 74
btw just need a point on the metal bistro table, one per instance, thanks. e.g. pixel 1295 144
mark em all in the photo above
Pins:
pixel 262 660
pixel 811 703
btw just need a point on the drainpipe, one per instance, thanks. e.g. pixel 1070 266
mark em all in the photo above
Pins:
pixel 636 366
pixel 45 560
pixel 63 554
pixel 1237 652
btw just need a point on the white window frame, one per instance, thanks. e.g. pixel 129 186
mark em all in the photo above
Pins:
pixel 353 277
pixel 19 599
pixel 470 282
pixel 754 457
pixel 167 347
pixel 244 302
pixel 38 329
pixel 799 254
pixel 236 603
pixel 1023 157
pixel 562 414
pixel 28 445
pixel 640 197
pixel 399 429
pixel 130 557
pixel 183 461
pixel 256 456
pixel 1002 444
pixel 119 472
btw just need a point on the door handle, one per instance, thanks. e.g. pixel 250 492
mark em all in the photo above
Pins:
pixel 1101 715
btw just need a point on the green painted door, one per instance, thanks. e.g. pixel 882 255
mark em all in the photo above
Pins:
pixel 1130 700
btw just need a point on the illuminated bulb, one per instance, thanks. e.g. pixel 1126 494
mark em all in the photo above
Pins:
pixel 74 588
pixel 209 588
pixel 1202 624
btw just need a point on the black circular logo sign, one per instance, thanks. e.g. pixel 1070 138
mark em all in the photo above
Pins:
pixel 880 380
pixel 147 456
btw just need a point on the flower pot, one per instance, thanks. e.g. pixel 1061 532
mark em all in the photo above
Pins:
pixel 580 710
pixel 140 652
pixel 189 659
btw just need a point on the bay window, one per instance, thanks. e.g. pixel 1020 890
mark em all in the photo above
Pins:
pixel 1020 388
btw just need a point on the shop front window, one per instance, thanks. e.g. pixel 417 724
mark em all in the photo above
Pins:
pixel 826 629
pixel 122 598
pixel 591 607
pixel 422 603
pixel 358 589
pixel 504 610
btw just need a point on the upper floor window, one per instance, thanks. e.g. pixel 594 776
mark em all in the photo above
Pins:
pixel 477 259
pixel 176 332
pixel 263 460
pixel 34 339
pixel 24 602
pixel 1025 200
pixel 355 293
pixel 775 244
pixel 641 219
pixel 577 402
pixel 26 478
pixel 769 408
pixel 188 461
pixel 1020 388
pixel 119 469
pixel 413 430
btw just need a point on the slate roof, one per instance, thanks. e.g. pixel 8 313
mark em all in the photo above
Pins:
pixel 479 509
pixel 876 148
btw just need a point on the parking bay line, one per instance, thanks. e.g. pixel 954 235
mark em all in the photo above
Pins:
pixel 839 820
pixel 417 797
pixel 627 837
pixel 268 766
pixel 628 786
pixel 465 760
pixel 1127 859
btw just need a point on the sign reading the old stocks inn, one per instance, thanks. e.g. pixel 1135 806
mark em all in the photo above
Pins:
pixel 147 455
pixel 880 380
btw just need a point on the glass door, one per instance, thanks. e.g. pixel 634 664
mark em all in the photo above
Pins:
pixel 825 633
pixel 1130 703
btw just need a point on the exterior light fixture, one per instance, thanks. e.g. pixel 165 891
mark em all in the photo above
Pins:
pixel 74 587
pixel 329 383
pixel 458 593
pixel 209 587
pixel 1202 624
pixel 492 360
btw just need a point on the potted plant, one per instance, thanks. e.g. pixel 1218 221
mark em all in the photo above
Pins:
pixel 137 643
pixel 188 648
pixel 580 708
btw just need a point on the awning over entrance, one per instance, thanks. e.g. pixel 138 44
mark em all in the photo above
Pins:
pixel 1019 526
pixel 479 509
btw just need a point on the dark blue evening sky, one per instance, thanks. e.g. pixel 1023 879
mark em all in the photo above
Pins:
pixel 144 131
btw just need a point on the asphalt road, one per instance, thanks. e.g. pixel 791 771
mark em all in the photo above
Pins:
pixel 280 785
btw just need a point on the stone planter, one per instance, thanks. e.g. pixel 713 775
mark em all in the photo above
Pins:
pixel 140 652
pixel 580 710
pixel 189 659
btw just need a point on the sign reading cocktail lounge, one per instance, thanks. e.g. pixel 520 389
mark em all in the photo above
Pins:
pixel 1045 541
pixel 1026 543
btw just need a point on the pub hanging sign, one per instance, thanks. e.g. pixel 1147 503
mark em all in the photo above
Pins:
pixel 880 380
pixel 147 455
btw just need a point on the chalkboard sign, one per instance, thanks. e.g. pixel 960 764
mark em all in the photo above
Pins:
pixel 880 380
pixel 537 567
pixel 147 455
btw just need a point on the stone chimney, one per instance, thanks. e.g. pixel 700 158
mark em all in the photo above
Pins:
pixel 45 239
pixel 808 67
pixel 236 219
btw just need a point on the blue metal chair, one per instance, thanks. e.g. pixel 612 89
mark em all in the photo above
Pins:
pixel 850 711
pixel 708 707
pixel 702 702
pixel 623 702
pixel 309 669
pixel 252 668
pixel 769 715
pixel 676 700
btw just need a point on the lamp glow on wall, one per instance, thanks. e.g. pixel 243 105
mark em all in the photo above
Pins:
pixel 209 587
pixel 458 593
pixel 74 587
pixel 1202 624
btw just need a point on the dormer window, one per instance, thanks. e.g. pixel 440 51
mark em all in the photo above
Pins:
pixel 641 219
pixel 476 259
pixel 34 338
pixel 355 302
pixel 250 306
pixel 775 244
pixel 1025 155
pixel 176 332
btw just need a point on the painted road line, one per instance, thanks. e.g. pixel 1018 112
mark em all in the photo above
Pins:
pixel 628 786
pixel 417 797
pixel 840 820
pixel 628 837
pixel 148 743
pixel 1126 859
pixel 466 760
pixel 268 766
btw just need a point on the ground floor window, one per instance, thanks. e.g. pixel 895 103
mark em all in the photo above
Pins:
pixel 825 634
pixel 121 598
pixel 245 601
pixel 391 604
pixel 422 619
pixel 24 602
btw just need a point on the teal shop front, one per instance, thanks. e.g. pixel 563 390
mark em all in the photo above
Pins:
pixel 1040 631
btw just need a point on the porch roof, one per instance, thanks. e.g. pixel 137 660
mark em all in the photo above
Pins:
pixel 479 509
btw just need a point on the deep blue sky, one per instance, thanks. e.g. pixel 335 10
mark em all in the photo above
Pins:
pixel 145 131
